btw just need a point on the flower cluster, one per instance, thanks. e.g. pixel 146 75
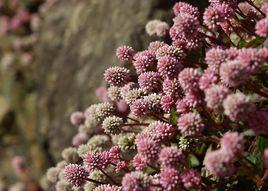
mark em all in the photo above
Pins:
pixel 186 113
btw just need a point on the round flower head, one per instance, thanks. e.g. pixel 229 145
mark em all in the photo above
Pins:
pixel 264 8
pixel 217 14
pixel 147 147
pixel 167 103
pixel 182 106
pixel 136 181
pixel 168 67
pixel 155 45
pixel 189 79
pixel 96 160
pixel 263 54
pixel 234 73
pixel 77 118
pixel 79 138
pixel 171 157
pixel 150 81
pixel 70 155
pixel 63 185
pixel 194 98
pixel 215 57
pixel 156 27
pixel 185 8
pixel 170 51
pixel 258 121
pixel 238 106
pixel 186 25
pixel 101 94
pixel 139 162
pixel 232 144
pixel 190 124
pixel 75 174
pixel 133 95
pixel 107 187
pixel 139 107
pixel 112 124
pixel 218 164
pixel 113 93
pixel 125 53
pixel 160 131
pixel 154 102
pixel 170 179
pixel 52 174
pixel 103 110
pixel 262 27
pixel 214 97
pixel 117 76
pixel 265 158
pixel 145 61
pixel 251 58
pixel 171 87
pixel 128 87
pixel 209 78
pixel 232 3
pixel 191 179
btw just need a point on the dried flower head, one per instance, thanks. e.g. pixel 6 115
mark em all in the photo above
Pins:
pixel 112 124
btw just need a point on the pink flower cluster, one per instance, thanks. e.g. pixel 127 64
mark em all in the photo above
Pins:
pixel 183 114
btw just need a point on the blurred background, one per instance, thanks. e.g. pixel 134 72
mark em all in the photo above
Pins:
pixel 52 57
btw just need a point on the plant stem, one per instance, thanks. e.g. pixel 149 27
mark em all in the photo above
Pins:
pixel 94 181
pixel 109 177
pixel 257 8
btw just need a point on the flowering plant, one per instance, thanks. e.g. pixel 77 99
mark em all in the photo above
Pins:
pixel 188 113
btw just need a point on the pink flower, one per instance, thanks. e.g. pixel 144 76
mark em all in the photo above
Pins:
pixel 171 87
pixel 168 67
pixel 171 157
pixel 189 79
pixel 77 118
pixel 172 51
pixel 170 179
pixel 238 106
pixel 191 179
pixel 182 106
pixel 265 158
pixel 251 58
pixel 194 98
pixel 101 94
pixel 125 53
pixel 139 107
pixel 215 57
pixel 150 81
pixel 218 164
pixel 136 181
pixel 262 27
pixel 139 162
pixel 155 45
pixel 145 61
pixel 217 14
pixel 147 147
pixel 167 103
pixel 96 160
pixel 75 174
pixel 232 144
pixel 208 79
pixel 117 76
pixel 234 73
pixel 190 124
pixel 215 96
pixel 186 25
pixel 160 131
pixel 79 139
pixel 185 8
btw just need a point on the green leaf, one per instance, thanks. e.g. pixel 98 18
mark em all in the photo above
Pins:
pixel 248 133
pixel 173 116
pixel 259 147
pixel 241 44
pixel 193 160
pixel 255 42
